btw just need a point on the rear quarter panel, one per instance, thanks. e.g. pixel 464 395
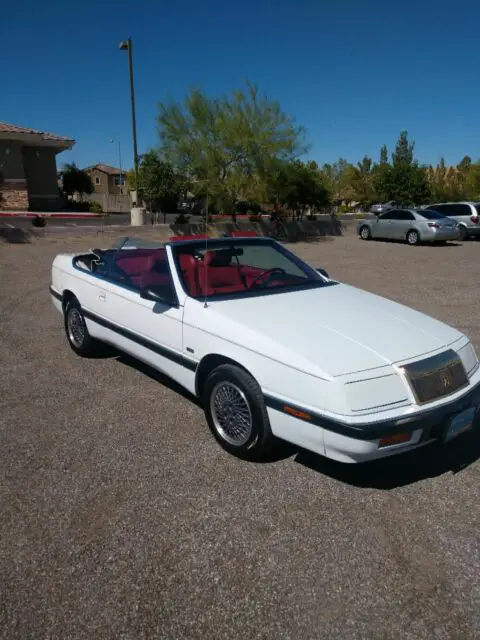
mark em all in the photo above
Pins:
pixel 84 286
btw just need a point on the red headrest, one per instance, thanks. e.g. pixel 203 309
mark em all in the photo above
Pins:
pixel 209 257
pixel 158 256
pixel 187 261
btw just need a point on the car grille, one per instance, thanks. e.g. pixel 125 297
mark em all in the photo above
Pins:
pixel 436 377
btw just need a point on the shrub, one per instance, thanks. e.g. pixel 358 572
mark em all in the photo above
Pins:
pixel 39 221
pixel 95 207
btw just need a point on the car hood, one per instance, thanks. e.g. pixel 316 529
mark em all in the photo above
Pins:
pixel 329 331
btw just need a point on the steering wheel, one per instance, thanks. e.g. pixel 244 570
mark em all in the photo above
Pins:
pixel 268 272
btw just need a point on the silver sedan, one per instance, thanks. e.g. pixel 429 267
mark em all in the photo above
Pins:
pixel 410 225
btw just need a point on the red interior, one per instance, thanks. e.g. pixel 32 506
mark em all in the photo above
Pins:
pixel 135 266
pixel 215 274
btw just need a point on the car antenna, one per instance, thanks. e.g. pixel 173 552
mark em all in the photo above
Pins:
pixel 206 246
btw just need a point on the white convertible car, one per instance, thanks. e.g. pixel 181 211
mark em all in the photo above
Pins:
pixel 273 347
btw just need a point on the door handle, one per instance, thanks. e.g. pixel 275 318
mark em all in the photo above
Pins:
pixel 102 296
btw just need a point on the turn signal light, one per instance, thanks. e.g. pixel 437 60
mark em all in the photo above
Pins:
pixel 397 438
pixel 297 413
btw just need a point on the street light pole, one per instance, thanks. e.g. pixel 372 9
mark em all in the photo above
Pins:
pixel 126 45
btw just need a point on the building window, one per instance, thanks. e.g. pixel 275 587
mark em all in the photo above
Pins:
pixel 97 180
pixel 119 181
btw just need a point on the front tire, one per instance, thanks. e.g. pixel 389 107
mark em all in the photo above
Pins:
pixel 413 237
pixel 76 330
pixel 236 412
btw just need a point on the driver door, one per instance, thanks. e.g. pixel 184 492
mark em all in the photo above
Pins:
pixel 148 330
pixel 383 227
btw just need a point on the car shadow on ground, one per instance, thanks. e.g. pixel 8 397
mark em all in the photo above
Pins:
pixel 386 474
pixel 14 235
pixel 403 469
pixel 280 451
pixel 436 245
pixel 153 374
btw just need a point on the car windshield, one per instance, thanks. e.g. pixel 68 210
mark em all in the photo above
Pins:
pixel 241 268
pixel 430 214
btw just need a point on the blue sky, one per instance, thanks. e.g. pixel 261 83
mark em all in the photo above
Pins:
pixel 353 73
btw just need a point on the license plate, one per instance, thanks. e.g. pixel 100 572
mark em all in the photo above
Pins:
pixel 460 423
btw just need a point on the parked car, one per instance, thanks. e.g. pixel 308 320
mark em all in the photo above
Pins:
pixel 411 225
pixel 272 347
pixel 465 214
pixel 381 208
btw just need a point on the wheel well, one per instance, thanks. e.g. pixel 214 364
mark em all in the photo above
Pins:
pixel 412 229
pixel 67 295
pixel 208 364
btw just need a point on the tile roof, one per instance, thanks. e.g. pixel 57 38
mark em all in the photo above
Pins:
pixel 106 168
pixel 5 127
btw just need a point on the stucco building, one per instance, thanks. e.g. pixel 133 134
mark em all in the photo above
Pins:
pixel 107 180
pixel 28 165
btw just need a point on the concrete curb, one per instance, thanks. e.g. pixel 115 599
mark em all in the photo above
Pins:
pixel 41 214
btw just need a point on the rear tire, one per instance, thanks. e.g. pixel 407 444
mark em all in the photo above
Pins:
pixel 463 233
pixel 413 238
pixel 236 414
pixel 365 233
pixel 76 330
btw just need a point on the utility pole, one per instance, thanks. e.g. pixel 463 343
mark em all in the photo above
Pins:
pixel 126 45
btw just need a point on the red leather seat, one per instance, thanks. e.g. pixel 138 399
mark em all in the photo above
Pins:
pixel 218 275
pixel 189 267
pixel 156 270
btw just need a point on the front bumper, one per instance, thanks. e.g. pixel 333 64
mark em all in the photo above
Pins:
pixel 348 442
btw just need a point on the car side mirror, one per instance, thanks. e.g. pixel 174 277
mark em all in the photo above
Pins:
pixel 159 293
pixel 323 273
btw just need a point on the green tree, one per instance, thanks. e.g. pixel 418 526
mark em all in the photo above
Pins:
pixel 228 145
pixel 472 182
pixel 383 155
pixel 361 181
pixel 464 165
pixel 336 178
pixel 75 180
pixel 404 181
pixel 160 184
pixel 298 187
pixel 403 154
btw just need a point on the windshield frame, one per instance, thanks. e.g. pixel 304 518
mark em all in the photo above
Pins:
pixel 314 279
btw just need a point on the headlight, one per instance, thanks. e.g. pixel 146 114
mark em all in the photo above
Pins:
pixel 469 359
pixel 384 392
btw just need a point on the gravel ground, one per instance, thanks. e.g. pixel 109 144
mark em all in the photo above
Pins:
pixel 122 518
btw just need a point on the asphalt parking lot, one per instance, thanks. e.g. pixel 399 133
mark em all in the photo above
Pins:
pixel 122 518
